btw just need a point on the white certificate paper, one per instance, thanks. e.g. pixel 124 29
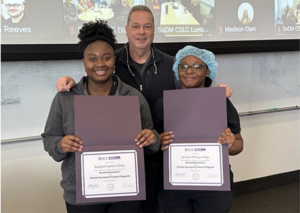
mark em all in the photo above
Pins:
pixel 195 164
pixel 109 174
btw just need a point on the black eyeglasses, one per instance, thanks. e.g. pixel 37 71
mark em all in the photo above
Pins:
pixel 194 67
pixel 12 5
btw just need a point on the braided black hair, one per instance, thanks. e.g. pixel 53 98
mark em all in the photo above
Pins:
pixel 97 30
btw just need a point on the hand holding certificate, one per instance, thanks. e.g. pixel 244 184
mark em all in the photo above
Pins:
pixel 110 166
pixel 197 142
pixel 195 160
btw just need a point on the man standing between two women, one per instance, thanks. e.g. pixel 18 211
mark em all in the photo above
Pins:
pixel 139 64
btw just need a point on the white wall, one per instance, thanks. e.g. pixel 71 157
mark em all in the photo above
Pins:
pixel 30 178
pixel 271 145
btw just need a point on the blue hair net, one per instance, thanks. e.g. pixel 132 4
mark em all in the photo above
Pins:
pixel 205 55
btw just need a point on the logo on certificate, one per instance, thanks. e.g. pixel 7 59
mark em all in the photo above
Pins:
pixel 110 187
pixel 195 176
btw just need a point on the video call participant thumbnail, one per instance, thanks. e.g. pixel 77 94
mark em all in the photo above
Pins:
pixel 291 18
pixel 15 9
pixel 251 17
pixel 31 20
pixel 287 18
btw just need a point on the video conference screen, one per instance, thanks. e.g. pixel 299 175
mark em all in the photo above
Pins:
pixel 59 21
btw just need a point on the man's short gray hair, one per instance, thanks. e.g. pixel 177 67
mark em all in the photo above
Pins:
pixel 139 8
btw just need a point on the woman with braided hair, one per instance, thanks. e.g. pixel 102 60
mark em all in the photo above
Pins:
pixel 97 44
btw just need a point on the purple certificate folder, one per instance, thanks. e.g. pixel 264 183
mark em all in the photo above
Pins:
pixel 197 118
pixel 110 167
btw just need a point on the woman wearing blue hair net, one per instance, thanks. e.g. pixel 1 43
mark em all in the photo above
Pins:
pixel 196 68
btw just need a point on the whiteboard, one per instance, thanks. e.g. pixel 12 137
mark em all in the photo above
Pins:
pixel 27 91
pixel 259 81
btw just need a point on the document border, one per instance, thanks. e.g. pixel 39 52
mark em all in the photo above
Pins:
pixel 196 184
pixel 141 195
pixel 226 168
pixel 111 152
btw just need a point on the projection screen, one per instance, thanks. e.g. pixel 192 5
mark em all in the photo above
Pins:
pixel 58 21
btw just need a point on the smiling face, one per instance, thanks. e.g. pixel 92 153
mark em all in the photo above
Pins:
pixel 14 8
pixel 99 62
pixel 190 78
pixel 140 30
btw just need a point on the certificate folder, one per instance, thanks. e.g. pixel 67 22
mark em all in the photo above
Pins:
pixel 197 118
pixel 110 167
pixel 107 120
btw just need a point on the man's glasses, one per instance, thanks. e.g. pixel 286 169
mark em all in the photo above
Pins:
pixel 12 5
pixel 194 67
